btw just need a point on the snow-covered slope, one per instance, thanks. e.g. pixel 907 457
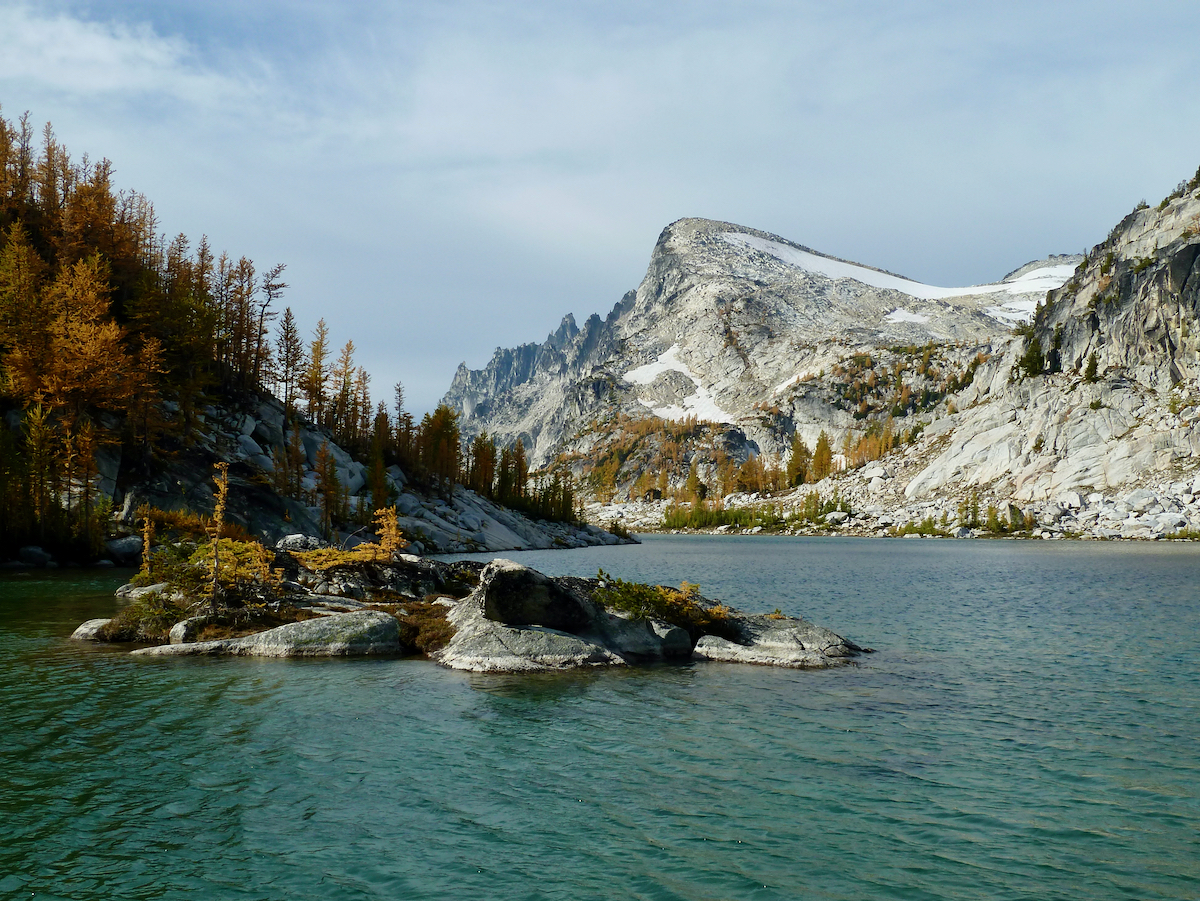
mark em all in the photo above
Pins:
pixel 1039 279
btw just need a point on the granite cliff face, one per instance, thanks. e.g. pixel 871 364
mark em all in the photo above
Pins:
pixel 1115 403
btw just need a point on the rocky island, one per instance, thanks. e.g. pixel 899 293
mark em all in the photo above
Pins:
pixel 499 617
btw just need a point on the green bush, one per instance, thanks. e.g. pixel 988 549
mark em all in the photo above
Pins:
pixel 678 606
pixel 1032 362
pixel 147 620
pixel 927 526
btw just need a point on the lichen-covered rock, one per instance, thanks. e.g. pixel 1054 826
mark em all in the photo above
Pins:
pixel 362 633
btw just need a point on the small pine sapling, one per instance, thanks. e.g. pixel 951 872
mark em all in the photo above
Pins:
pixel 389 532
pixel 218 526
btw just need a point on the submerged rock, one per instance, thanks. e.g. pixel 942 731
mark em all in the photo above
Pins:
pixel 361 633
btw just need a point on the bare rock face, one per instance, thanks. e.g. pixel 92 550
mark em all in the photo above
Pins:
pixel 361 633
pixel 1116 403
pixel 518 596
pixel 519 620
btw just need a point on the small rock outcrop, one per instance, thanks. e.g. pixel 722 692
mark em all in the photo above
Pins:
pixel 486 642
pixel 519 596
pixel 498 617
pixel 360 633
pixel 778 641
pixel 90 631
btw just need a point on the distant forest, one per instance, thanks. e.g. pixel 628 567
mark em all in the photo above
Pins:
pixel 105 322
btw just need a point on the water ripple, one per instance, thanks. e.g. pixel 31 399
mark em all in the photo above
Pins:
pixel 1014 738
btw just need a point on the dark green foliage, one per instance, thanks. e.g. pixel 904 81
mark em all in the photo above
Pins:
pixel 927 526
pixel 146 620
pixel 769 517
pixel 1032 362
pixel 704 516
pixel 1091 371
pixel 618 528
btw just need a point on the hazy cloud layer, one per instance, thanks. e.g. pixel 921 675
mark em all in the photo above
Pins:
pixel 444 178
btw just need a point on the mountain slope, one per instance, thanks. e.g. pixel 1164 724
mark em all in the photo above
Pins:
pixel 1101 392
pixel 741 327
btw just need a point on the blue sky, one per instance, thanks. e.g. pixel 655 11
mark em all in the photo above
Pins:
pixel 444 178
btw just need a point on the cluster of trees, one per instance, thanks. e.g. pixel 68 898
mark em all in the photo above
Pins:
pixel 502 474
pixel 94 327
pixel 806 465
pixel 102 318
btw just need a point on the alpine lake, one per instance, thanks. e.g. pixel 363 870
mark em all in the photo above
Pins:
pixel 1027 729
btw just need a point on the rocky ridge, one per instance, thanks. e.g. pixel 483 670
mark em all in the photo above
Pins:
pixel 729 319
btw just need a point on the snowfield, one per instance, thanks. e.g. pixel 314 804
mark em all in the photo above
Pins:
pixel 702 405
pixel 1037 280
pixel 902 315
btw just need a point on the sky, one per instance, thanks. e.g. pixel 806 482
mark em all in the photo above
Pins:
pixel 445 178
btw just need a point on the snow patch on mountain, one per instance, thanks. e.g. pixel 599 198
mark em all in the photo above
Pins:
pixel 902 315
pixel 701 405
pixel 1042 279
pixel 1016 311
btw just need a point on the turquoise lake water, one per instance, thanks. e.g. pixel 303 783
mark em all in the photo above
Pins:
pixel 1027 729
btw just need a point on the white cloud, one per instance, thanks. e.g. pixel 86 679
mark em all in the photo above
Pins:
pixel 71 56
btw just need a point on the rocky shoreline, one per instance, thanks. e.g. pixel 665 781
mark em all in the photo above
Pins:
pixel 879 507
pixel 498 617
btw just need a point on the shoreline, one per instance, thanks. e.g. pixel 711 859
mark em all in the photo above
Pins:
pixel 873 503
